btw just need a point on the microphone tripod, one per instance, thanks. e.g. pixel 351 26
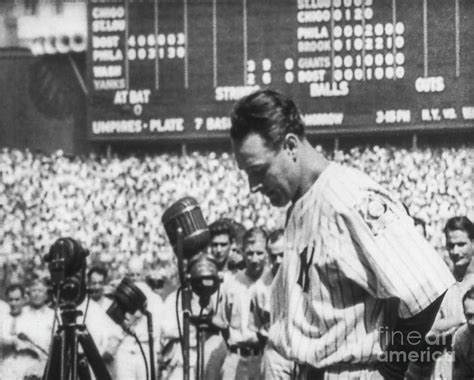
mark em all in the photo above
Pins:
pixel 201 322
pixel 64 362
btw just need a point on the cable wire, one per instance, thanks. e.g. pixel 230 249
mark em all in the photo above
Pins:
pixel 180 332
pixel 142 351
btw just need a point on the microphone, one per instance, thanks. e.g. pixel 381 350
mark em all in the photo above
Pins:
pixel 186 214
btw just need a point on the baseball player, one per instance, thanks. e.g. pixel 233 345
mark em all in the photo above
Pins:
pixel 220 250
pixel 356 277
pixel 275 366
pixel 221 241
pixel 459 233
pixel 244 350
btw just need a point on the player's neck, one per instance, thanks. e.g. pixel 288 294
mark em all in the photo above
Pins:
pixel 312 164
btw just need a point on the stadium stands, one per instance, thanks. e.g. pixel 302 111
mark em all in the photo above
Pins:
pixel 114 204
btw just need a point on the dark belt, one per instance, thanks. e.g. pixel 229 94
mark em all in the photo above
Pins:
pixel 245 351
pixel 312 373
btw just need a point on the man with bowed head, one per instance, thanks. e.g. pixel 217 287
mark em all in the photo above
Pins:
pixel 354 264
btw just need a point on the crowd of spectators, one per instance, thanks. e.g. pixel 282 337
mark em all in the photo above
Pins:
pixel 114 204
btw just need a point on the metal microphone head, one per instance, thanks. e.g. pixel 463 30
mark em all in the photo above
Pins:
pixel 186 214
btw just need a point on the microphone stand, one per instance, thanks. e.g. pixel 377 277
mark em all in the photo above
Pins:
pixel 150 344
pixel 185 303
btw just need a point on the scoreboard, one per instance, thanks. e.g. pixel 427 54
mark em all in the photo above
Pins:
pixel 172 69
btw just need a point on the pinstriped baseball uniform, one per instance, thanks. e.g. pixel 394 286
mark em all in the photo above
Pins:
pixel 275 366
pixel 350 247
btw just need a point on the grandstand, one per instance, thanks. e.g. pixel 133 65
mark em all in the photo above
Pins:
pixel 114 204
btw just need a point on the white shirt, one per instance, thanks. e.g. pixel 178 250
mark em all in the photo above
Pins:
pixel 234 309
pixel 39 326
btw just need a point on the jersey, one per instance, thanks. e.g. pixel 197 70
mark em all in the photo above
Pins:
pixel 259 320
pixel 351 249
pixel 234 309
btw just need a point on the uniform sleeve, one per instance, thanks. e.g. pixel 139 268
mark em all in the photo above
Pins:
pixel 381 250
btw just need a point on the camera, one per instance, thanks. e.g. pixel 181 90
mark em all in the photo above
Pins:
pixel 67 265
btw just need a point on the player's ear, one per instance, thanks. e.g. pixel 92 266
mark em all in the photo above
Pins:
pixel 291 144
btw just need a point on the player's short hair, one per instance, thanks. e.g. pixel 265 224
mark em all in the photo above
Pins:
pixel 13 287
pixel 251 235
pixel 99 270
pixel 469 295
pixel 274 236
pixel 460 223
pixel 221 227
pixel 268 113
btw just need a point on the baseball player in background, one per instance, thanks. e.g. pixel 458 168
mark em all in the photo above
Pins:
pixel 275 366
pixel 220 247
pixel 357 280
pixel 244 350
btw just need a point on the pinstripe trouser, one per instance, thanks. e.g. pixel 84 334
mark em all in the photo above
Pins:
pixel 275 366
